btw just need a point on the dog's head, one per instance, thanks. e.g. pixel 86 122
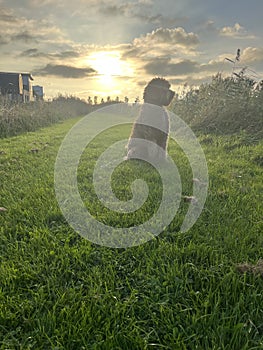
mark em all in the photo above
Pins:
pixel 158 92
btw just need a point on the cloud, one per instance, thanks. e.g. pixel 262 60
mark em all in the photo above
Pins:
pixel 146 2
pixel 135 11
pixel 130 52
pixel 35 53
pixel 164 52
pixel 6 15
pixel 161 43
pixel 193 80
pixel 252 58
pixel 140 10
pixel 31 53
pixel 114 10
pixel 42 3
pixel 21 29
pixel 176 36
pixel 237 32
pixel 3 40
pixel 165 67
pixel 24 37
pixel 128 9
pixel 187 80
pixel 210 26
pixel 64 71
pixel 252 55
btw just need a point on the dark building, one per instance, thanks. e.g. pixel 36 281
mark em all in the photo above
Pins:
pixel 27 87
pixel 17 86
pixel 38 92
pixel 11 85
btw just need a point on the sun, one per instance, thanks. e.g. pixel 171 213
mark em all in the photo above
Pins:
pixel 109 66
pixel 106 63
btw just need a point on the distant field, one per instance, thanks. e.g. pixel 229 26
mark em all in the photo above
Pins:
pixel 178 291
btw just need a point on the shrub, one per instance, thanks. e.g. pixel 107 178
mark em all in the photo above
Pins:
pixel 226 105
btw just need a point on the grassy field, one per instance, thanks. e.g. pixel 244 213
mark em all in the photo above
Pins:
pixel 178 291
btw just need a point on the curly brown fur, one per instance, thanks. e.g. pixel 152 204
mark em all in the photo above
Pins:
pixel 156 94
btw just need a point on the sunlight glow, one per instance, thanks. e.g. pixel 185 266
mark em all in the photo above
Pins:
pixel 109 66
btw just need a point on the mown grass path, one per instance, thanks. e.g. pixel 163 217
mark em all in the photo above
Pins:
pixel 179 291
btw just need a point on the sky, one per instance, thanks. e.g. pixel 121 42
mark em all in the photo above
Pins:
pixel 113 48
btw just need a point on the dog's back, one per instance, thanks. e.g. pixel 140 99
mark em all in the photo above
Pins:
pixel 152 123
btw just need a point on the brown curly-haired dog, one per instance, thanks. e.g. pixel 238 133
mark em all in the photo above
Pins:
pixel 152 123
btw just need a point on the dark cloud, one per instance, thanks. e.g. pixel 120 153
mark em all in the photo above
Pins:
pixel 67 54
pixel 142 82
pixel 161 20
pixel 24 36
pixel 34 53
pixel 31 53
pixel 3 40
pixel 164 67
pixel 187 80
pixel 132 52
pixel 7 16
pixel 158 66
pixel 115 10
pixel 64 71
pixel 140 11
pixel 190 80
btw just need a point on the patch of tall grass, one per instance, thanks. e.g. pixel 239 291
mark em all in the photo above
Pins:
pixel 224 106
pixel 16 118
